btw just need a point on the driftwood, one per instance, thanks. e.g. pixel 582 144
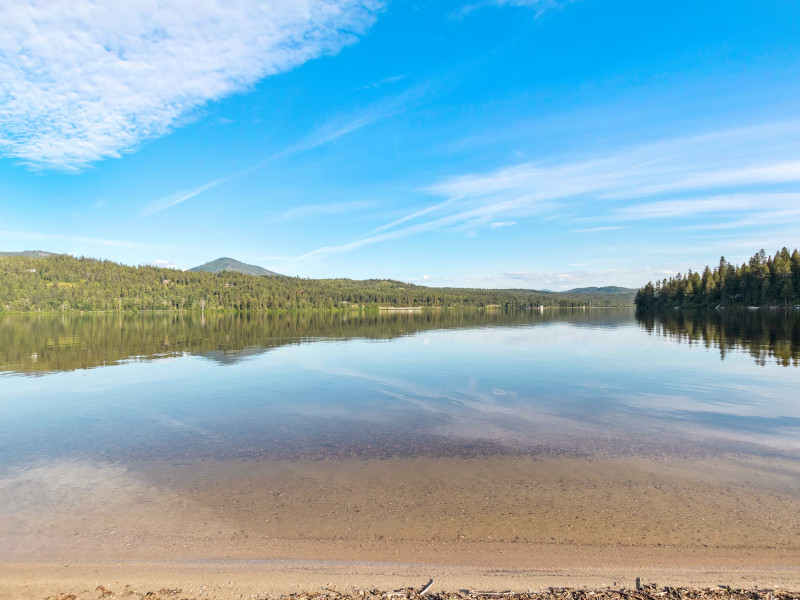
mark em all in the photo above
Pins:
pixel 427 587
pixel 640 592
pixel 644 592
pixel 409 592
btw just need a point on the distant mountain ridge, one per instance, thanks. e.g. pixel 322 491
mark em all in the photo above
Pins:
pixel 230 264
pixel 28 253
pixel 606 289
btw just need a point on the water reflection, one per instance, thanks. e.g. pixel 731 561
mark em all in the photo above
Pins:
pixel 38 344
pixel 439 383
pixel 767 335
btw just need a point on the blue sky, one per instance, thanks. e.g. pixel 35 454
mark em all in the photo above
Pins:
pixel 498 143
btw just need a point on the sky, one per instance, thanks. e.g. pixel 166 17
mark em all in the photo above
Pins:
pixel 547 144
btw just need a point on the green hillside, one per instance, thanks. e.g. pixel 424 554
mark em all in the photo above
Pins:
pixel 61 283
pixel 230 264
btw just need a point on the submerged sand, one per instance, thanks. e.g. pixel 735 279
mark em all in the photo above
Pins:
pixel 257 527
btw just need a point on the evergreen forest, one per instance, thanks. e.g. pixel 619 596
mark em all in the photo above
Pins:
pixel 762 281
pixel 63 283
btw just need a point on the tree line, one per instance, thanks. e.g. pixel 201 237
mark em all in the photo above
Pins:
pixel 762 281
pixel 66 283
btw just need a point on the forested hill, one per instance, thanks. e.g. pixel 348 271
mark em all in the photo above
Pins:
pixel 230 264
pixel 60 283
pixel 608 289
pixel 27 253
pixel 762 281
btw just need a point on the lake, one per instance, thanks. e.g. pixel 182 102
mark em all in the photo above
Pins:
pixel 466 436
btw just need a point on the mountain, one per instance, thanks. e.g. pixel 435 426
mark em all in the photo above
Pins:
pixel 230 264
pixel 28 254
pixel 607 289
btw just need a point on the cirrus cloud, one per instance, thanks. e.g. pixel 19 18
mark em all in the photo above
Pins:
pixel 86 80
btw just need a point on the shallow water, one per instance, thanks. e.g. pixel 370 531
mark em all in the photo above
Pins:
pixel 446 436
pixel 581 382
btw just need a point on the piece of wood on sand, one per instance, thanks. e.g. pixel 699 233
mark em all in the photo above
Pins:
pixel 427 587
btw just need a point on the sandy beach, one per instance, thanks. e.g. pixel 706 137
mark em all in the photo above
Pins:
pixel 520 523
pixel 248 579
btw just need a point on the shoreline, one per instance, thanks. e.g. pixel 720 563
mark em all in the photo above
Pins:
pixel 316 309
pixel 234 579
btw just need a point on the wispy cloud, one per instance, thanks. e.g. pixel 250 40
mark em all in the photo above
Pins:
pixel 312 211
pixel 85 80
pixel 329 132
pixel 727 159
pixel 500 224
pixel 77 239
pixel 728 203
pixel 596 229
pixel 758 218
pixel 175 199
pixel 743 210
pixel 538 6
pixel 733 166
pixel 382 82
pixel 467 219
pixel 779 172
pixel 412 216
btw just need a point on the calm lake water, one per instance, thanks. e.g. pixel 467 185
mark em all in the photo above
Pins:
pixel 582 382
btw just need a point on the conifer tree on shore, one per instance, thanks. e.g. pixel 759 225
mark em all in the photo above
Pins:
pixel 762 281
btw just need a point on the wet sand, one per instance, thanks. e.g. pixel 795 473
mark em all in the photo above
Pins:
pixel 499 522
